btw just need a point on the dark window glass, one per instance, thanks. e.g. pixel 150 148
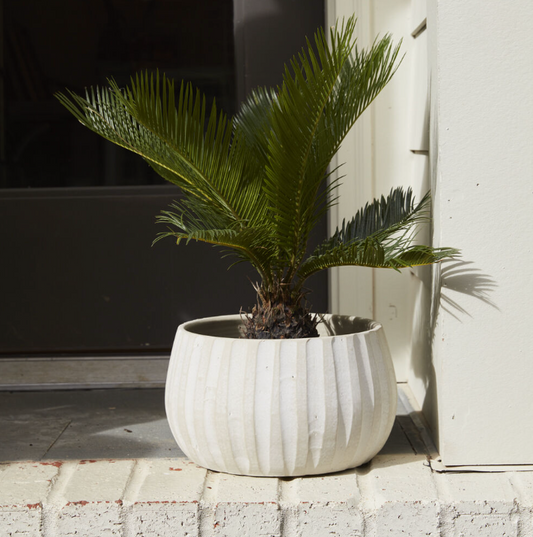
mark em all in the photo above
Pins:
pixel 51 45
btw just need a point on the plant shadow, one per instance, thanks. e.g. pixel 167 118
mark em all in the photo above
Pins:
pixel 464 278
pixel 447 288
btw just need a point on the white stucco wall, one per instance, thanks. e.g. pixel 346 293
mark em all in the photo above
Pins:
pixel 467 357
pixel 481 154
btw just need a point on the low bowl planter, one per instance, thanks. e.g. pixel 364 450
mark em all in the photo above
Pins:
pixel 287 407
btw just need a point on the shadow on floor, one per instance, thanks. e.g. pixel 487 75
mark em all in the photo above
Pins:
pixel 85 424
pixel 122 424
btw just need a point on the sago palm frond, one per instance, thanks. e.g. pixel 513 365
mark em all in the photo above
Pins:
pixel 253 124
pixel 383 216
pixel 371 253
pixel 188 221
pixel 381 235
pixel 171 135
pixel 319 101
pixel 256 184
pixel 215 159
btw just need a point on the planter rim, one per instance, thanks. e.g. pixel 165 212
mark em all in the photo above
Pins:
pixel 214 327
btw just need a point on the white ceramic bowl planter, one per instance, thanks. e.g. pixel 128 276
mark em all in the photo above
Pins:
pixel 281 407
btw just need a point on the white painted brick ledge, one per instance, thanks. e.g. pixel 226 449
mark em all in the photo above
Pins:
pixel 395 495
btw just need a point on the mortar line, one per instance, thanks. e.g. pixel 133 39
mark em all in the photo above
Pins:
pixel 54 501
pixel 523 506
pixel 366 505
pixel 130 494
pixel 288 506
pixel 135 481
pixel 207 504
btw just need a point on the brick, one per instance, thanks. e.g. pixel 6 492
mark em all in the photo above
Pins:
pixel 338 488
pixel 163 498
pixel 245 505
pixel 481 504
pixel 326 505
pixel 24 487
pixel 98 481
pixel 399 478
pixel 485 526
pixel 163 519
pixel 412 519
pixel 88 499
pixel 166 480
pixel 240 519
pixel 477 493
pixel 20 523
pixel 399 497
pixel 234 489
pixel 95 519
pixel 318 520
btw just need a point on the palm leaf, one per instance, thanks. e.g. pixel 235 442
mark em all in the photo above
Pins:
pixel 190 220
pixel 169 133
pixel 383 216
pixel 372 253
pixel 257 184
pixel 318 103
pixel 380 235
pixel 253 123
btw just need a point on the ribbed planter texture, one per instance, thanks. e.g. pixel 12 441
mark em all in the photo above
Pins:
pixel 281 407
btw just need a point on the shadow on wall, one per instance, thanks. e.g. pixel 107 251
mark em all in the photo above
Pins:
pixel 460 278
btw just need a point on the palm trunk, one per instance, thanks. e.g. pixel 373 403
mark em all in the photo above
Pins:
pixel 280 313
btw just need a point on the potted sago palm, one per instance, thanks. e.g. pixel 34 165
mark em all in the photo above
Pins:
pixel 278 391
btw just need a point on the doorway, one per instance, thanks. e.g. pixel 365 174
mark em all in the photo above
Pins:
pixel 78 276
